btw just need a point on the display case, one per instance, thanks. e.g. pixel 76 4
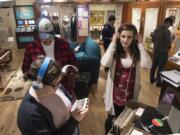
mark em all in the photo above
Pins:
pixel 25 25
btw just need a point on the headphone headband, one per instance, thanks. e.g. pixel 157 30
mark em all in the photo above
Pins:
pixel 66 67
pixel 44 67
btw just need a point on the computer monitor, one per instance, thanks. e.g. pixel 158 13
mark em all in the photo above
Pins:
pixel 20 22
pixel 31 22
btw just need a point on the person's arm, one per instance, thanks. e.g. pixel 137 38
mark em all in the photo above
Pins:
pixel 152 36
pixel 168 38
pixel 107 58
pixel 71 56
pixel 26 61
pixel 69 128
pixel 37 125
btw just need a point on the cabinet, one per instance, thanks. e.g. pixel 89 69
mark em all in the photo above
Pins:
pixel 24 38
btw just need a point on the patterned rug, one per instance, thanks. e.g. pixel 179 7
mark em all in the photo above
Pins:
pixel 16 88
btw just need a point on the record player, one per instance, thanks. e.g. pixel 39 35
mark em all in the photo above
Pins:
pixel 154 122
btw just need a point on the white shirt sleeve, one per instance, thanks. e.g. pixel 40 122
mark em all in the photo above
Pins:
pixel 107 58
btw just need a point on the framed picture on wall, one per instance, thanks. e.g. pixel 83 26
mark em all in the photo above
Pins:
pixel 111 12
pixel 172 12
pixel 96 17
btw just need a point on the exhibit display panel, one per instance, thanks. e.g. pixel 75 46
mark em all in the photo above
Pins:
pixel 25 24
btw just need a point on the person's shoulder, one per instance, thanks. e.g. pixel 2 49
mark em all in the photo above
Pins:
pixel 106 26
pixel 35 44
pixel 28 105
pixel 61 43
pixel 29 45
pixel 61 40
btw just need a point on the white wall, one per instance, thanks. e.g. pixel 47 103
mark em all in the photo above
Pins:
pixel 7 23
pixel 24 2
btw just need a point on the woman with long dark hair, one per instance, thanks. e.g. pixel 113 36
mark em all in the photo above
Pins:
pixel 123 57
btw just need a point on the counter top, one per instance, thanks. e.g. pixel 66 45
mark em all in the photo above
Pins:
pixel 170 64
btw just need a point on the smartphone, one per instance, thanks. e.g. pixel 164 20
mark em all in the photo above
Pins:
pixel 80 104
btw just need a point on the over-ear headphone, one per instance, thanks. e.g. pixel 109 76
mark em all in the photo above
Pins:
pixel 42 70
pixel 66 69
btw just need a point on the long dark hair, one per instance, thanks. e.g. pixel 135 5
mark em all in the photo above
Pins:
pixel 133 48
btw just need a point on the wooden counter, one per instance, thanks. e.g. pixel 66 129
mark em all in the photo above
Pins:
pixel 170 64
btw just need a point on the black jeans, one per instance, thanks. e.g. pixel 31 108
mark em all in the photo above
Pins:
pixel 110 118
pixel 159 61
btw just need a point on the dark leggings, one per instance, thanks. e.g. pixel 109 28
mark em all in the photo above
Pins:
pixel 110 118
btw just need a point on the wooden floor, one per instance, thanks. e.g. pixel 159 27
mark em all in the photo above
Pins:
pixel 93 124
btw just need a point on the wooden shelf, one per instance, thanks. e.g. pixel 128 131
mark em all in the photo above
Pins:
pixel 24 38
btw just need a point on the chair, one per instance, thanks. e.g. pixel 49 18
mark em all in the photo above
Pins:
pixel 88 56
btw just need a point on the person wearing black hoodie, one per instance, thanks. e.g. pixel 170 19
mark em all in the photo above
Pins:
pixel 161 38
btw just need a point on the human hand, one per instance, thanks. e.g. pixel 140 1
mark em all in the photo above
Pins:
pixel 79 114
pixel 80 108
pixel 115 36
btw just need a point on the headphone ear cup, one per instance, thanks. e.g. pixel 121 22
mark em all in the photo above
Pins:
pixel 37 85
